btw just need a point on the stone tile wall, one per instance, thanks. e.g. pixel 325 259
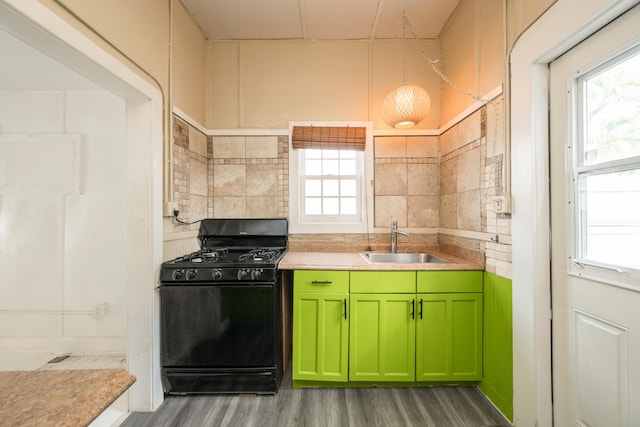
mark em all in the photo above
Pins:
pixel 249 176
pixel 407 181
pixel 425 183
pixel 190 176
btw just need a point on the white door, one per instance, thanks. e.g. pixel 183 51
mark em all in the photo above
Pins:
pixel 595 221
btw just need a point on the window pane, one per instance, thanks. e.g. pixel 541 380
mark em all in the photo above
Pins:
pixel 348 187
pixel 313 167
pixel 330 167
pixel 348 206
pixel 330 187
pixel 330 206
pixel 330 154
pixel 613 113
pixel 313 154
pixel 313 187
pixel 610 206
pixel 347 167
pixel 312 206
pixel 347 154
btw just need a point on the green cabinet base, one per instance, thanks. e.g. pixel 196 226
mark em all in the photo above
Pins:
pixel 368 384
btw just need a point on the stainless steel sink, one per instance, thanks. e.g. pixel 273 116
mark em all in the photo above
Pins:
pixel 402 258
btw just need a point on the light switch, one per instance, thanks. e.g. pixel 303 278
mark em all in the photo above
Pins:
pixel 502 204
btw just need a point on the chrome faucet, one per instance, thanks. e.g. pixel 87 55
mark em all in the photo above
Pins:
pixel 394 236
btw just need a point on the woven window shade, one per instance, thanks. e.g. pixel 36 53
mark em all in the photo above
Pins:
pixel 329 137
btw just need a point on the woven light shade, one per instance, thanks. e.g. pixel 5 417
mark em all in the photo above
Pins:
pixel 405 106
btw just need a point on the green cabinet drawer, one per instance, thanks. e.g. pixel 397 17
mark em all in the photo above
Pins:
pixel 320 281
pixel 449 281
pixel 373 282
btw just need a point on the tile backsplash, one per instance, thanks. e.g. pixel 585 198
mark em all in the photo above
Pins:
pixel 442 188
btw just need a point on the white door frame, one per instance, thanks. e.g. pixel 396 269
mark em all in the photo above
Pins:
pixel 34 23
pixel 563 26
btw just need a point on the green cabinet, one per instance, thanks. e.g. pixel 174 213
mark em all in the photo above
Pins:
pixel 449 326
pixel 320 325
pixel 382 326
pixel 394 326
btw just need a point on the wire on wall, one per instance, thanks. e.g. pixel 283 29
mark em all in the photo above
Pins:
pixel 493 103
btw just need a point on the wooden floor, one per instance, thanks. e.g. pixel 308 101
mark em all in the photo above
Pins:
pixel 432 406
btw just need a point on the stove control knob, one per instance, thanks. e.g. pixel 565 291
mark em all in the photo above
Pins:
pixel 192 273
pixel 243 273
pixel 217 274
pixel 177 274
pixel 256 273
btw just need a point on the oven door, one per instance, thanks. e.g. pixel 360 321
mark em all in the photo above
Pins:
pixel 218 326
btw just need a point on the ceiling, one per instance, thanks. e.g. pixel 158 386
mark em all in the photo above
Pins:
pixel 318 19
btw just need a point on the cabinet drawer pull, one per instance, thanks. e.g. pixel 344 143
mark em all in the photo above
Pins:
pixel 321 282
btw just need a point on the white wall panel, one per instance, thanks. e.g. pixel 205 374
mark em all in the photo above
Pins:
pixel 31 111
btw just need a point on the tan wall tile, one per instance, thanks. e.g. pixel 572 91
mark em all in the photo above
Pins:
pixel 449 176
pixel 229 207
pixel 197 142
pixel 262 180
pixel 390 179
pixel 228 147
pixel 261 147
pixel 423 179
pixel 422 146
pixel 469 210
pixel 229 180
pixel 448 210
pixel 468 177
pixel 198 177
pixel 262 207
pixel 423 211
pixel 390 208
pixel 390 146
pixel 198 210
pixel 469 129
pixel 448 141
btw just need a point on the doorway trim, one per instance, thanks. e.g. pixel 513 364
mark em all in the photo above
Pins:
pixel 40 27
pixel 564 25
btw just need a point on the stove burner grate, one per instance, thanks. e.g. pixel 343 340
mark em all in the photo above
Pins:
pixel 204 255
pixel 260 254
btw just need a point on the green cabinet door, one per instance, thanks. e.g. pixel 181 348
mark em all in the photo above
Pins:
pixel 382 337
pixel 320 336
pixel 320 325
pixel 449 337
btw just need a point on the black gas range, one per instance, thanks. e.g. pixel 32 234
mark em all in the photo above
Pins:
pixel 219 310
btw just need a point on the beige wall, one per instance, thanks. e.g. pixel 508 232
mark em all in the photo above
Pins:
pixel 521 14
pixel 266 84
pixel 188 64
pixel 141 31
pixel 472 45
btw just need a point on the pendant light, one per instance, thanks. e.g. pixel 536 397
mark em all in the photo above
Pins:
pixel 406 105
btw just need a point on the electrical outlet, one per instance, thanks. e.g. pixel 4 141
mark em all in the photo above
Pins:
pixel 101 310
pixel 502 204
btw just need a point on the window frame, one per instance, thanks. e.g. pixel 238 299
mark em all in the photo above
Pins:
pixel 616 274
pixel 298 223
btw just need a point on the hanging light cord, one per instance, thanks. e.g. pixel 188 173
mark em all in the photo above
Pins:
pixel 434 65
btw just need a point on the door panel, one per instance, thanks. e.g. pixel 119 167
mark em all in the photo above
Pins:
pixel 596 320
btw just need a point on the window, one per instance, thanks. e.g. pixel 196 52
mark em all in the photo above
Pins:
pixel 330 189
pixel 607 165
